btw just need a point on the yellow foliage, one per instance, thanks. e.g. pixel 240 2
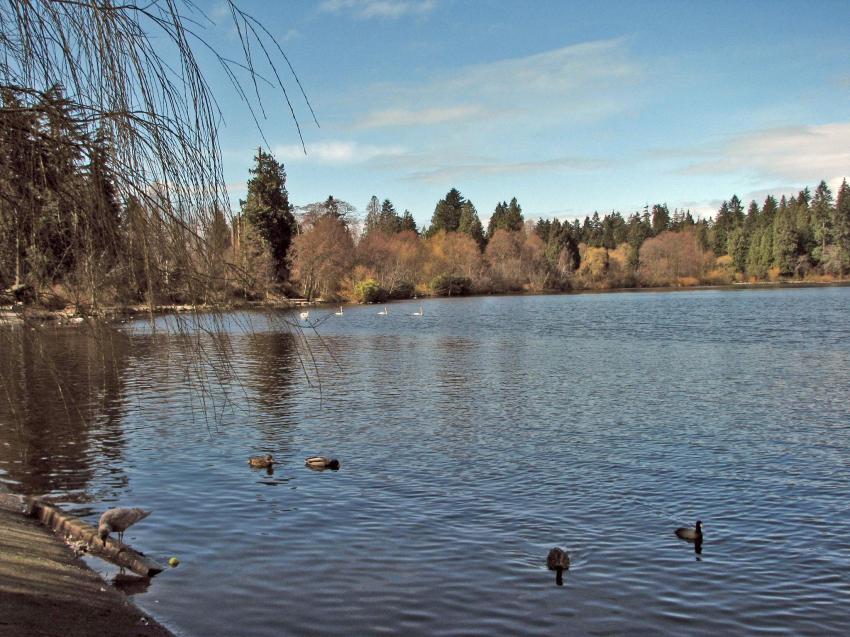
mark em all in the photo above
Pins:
pixel 687 281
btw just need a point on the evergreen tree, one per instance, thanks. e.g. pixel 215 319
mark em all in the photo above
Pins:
pixel 390 221
pixel 821 215
pixel 660 219
pixel 470 224
pixel 506 216
pixel 841 220
pixel 447 213
pixel 373 215
pixel 408 223
pixel 267 207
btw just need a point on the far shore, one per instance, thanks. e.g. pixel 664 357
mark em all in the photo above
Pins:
pixel 19 314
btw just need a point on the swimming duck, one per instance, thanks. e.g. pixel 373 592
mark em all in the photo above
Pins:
pixel 261 462
pixel 689 534
pixel 559 561
pixel 119 520
pixel 320 462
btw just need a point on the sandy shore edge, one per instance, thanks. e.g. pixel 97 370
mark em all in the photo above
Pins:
pixel 45 590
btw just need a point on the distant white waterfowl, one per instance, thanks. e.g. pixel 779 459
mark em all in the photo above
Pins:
pixel 338 313
pixel 419 313
pixel 384 312
pixel 321 462
pixel 305 315
pixel 119 520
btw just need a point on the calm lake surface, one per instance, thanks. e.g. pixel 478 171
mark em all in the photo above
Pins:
pixel 472 440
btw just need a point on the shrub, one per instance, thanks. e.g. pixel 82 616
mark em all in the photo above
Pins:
pixel 450 285
pixel 368 291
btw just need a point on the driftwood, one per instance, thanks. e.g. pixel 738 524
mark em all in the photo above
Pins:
pixel 72 527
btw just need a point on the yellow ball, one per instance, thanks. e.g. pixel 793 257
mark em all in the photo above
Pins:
pixel 173 561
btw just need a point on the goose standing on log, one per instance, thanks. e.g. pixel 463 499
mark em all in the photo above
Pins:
pixel 119 520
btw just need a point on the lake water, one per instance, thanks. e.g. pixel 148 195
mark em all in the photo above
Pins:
pixel 472 440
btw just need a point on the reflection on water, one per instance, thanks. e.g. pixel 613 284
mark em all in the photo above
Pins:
pixel 50 438
pixel 473 438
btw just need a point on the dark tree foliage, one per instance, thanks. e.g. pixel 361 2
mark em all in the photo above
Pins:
pixel 660 219
pixel 267 207
pixel 470 224
pixel 506 216
pixel 447 213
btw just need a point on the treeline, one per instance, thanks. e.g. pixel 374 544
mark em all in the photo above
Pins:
pixel 802 237
pixel 69 235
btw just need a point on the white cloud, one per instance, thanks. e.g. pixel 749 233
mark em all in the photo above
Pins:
pixel 379 8
pixel 335 152
pixel 799 154
pixel 577 83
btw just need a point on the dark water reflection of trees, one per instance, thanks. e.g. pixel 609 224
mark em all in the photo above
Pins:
pixel 61 406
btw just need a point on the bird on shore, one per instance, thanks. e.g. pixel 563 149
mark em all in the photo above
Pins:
pixel 119 520
pixel 261 462
pixel 559 561
pixel 321 462
pixel 690 534
pixel 384 312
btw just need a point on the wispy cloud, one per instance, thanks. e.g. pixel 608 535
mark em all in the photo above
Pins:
pixel 580 82
pixel 379 8
pixel 335 152
pixel 800 154
pixel 407 117
pixel 451 172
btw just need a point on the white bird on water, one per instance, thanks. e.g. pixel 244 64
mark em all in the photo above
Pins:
pixel 384 313
pixel 119 520
pixel 338 313
pixel 419 313
pixel 305 315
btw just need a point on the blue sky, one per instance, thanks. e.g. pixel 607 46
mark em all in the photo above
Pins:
pixel 569 106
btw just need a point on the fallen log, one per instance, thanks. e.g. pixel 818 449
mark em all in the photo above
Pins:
pixel 75 529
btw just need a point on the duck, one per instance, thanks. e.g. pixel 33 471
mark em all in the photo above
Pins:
pixel 558 560
pixel 261 462
pixel 119 520
pixel 321 462
pixel 338 313
pixel 690 534
pixel 384 312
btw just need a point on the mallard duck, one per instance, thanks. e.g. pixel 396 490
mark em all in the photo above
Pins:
pixel 261 462
pixel 320 462
pixel 689 534
pixel 559 561
pixel 118 520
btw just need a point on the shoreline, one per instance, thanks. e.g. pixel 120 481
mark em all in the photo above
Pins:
pixel 15 316
pixel 46 590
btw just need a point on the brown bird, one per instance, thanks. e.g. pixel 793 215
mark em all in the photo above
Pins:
pixel 559 561
pixel 261 462
pixel 320 462
pixel 119 520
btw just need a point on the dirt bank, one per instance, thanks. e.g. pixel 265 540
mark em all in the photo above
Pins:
pixel 45 591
